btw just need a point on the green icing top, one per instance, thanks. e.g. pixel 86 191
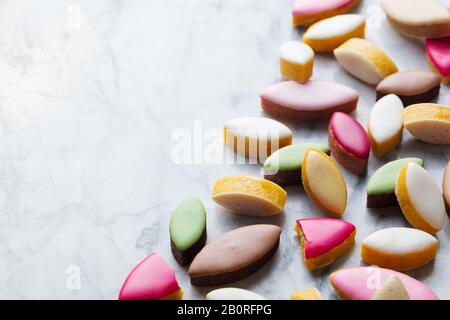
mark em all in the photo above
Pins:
pixel 383 180
pixel 187 223
pixel 291 157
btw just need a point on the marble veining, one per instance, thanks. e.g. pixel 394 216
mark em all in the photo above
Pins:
pixel 91 93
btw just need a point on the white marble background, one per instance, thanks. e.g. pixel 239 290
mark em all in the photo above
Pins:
pixel 90 94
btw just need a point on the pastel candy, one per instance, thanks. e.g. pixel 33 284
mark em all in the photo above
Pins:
pixel 306 294
pixel 438 54
pixel 187 230
pixel 324 239
pixel 283 167
pixel 420 198
pixel 428 122
pixel 381 186
pixel 256 137
pixel 296 61
pixel 328 34
pixel 313 100
pixel 349 142
pixel 324 183
pixel 364 61
pixel 151 279
pixel 306 12
pixel 391 289
pixel 234 255
pixel 418 18
pixel 233 294
pixel 446 186
pixel 411 86
pixel 386 124
pixel 249 196
pixel 361 283
pixel 399 248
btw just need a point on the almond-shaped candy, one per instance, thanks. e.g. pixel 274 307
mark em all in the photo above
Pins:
pixel 428 122
pixel 234 255
pixel 364 61
pixel 306 12
pixel 187 230
pixel 418 18
pixel 420 198
pixel 381 186
pixel 306 294
pixel 233 294
pixel 249 196
pixel 324 183
pixel 411 87
pixel 391 289
pixel 256 137
pixel 349 142
pixel 324 240
pixel 151 279
pixel 328 34
pixel 361 283
pixel 437 50
pixel 446 187
pixel 313 100
pixel 399 248
pixel 296 61
pixel 283 167
pixel 386 124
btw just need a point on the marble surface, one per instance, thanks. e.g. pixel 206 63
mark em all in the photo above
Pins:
pixel 95 97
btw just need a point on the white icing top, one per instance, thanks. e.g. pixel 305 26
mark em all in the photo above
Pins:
pixel 258 128
pixel 233 294
pixel 386 118
pixel 296 52
pixel 358 65
pixel 399 241
pixel 425 195
pixel 335 26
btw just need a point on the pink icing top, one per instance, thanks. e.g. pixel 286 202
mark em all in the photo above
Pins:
pixel 323 234
pixel 438 50
pixel 350 134
pixel 309 7
pixel 151 279
pixel 311 96
pixel 361 283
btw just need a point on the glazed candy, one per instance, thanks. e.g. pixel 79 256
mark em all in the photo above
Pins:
pixel 296 61
pixel 328 34
pixel 324 183
pixel 446 187
pixel 306 294
pixel 306 12
pixel 391 289
pixel 418 18
pixel 420 198
pixel 313 100
pixel 249 196
pixel 324 240
pixel 399 248
pixel 386 124
pixel 349 142
pixel 256 137
pixel 234 255
pixel 233 294
pixel 438 54
pixel 187 230
pixel 361 283
pixel 428 122
pixel 364 61
pixel 151 279
pixel 381 186
pixel 411 86
pixel 283 167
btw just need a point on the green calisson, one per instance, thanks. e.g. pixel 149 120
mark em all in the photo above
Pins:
pixel 188 230
pixel 381 186
pixel 284 165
